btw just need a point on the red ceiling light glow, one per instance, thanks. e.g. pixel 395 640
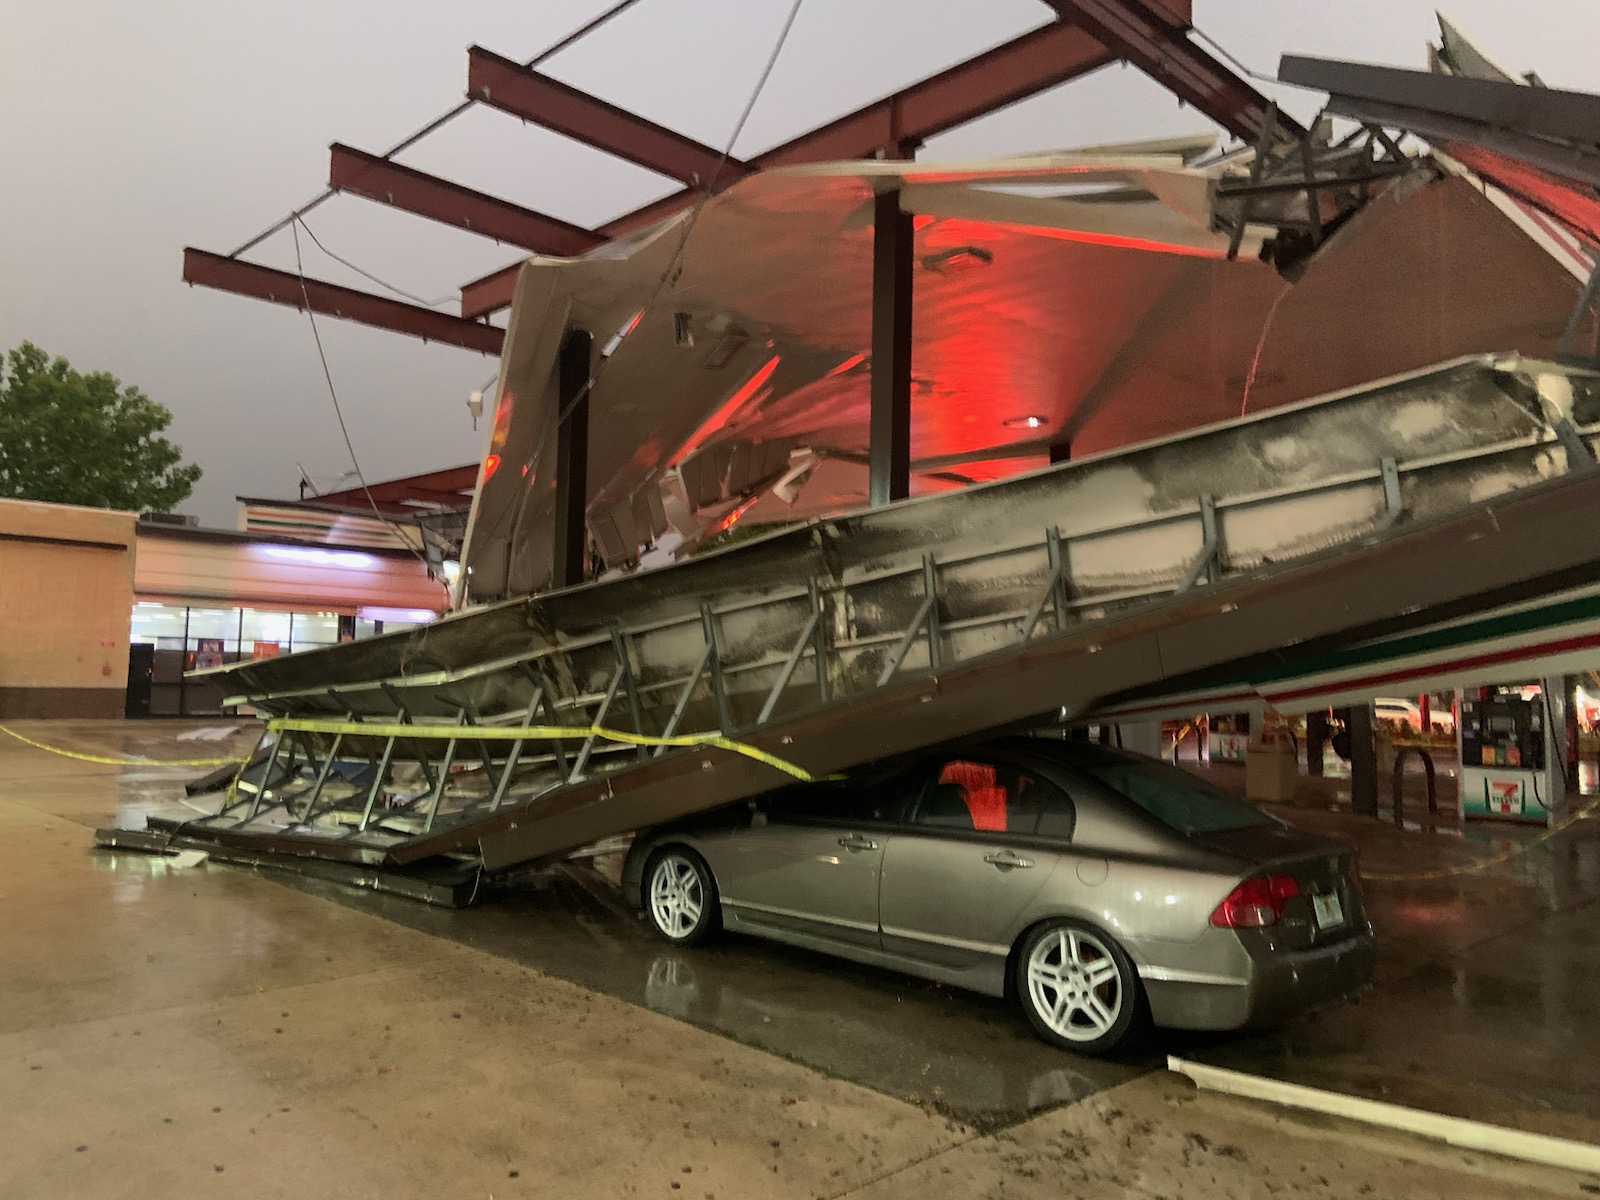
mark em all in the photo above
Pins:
pixel 732 405
pixel 958 260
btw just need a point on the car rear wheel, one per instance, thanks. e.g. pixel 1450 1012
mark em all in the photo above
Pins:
pixel 1078 988
pixel 680 896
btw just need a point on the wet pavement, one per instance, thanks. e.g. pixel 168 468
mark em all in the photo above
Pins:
pixel 1485 1004
pixel 968 1056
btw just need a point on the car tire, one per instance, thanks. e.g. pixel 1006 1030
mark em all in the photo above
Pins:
pixel 680 896
pixel 1078 988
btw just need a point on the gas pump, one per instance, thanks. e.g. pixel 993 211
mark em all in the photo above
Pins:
pixel 1510 767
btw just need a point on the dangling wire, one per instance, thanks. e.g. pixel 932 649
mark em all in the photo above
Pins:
pixel 362 271
pixel 670 273
pixel 338 409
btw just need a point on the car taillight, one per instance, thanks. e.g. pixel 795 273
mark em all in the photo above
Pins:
pixel 1256 902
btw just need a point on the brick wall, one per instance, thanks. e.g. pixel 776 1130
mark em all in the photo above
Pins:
pixel 66 589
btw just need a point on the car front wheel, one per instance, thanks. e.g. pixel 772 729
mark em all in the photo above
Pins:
pixel 1078 988
pixel 680 896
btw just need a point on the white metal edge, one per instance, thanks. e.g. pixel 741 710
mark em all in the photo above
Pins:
pixel 1456 1131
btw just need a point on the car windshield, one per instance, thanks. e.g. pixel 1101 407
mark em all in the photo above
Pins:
pixel 1172 795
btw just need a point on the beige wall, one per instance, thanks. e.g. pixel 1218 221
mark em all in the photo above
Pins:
pixel 66 588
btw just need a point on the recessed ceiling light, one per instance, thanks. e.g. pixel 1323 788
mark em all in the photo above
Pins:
pixel 1028 422
pixel 958 259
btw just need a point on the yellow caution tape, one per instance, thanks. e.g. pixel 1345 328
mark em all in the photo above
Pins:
pixel 127 760
pixel 503 733
pixel 1494 860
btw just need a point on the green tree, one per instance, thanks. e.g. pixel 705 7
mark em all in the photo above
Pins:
pixel 70 438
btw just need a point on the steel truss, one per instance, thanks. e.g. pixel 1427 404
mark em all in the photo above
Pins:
pixel 458 739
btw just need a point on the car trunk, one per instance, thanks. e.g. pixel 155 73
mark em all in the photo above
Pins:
pixel 1328 906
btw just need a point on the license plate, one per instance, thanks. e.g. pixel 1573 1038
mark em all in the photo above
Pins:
pixel 1327 910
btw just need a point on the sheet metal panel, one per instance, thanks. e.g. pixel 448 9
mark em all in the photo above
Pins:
pixel 1339 593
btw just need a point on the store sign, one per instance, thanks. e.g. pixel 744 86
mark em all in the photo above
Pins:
pixel 1505 796
pixel 1229 747
pixel 208 653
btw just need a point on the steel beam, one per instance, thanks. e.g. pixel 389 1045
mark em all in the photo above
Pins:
pixel 330 299
pixel 456 482
pixel 1548 128
pixel 1014 71
pixel 572 461
pixel 414 191
pixel 889 454
pixel 1023 67
pixel 523 92
pixel 1153 36
pixel 1535 112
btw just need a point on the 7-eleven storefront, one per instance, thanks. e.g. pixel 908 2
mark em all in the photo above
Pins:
pixel 206 597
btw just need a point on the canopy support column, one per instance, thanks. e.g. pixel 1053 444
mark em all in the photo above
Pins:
pixel 571 555
pixel 889 456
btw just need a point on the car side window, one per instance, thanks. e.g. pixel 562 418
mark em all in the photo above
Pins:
pixel 989 797
pixel 1059 816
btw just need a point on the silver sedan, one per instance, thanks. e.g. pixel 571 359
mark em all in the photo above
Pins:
pixel 1100 888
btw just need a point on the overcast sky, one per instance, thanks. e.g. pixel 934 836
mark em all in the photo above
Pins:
pixel 128 131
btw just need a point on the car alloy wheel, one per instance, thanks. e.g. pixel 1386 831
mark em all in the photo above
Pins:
pixel 680 896
pixel 1078 987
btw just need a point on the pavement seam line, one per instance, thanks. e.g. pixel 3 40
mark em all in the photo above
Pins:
pixel 891 1172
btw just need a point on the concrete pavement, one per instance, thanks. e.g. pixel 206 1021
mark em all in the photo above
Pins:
pixel 209 1031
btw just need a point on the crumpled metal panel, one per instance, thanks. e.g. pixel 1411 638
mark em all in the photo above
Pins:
pixel 1285 484
pixel 843 640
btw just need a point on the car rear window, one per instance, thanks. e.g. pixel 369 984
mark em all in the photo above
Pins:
pixel 1172 795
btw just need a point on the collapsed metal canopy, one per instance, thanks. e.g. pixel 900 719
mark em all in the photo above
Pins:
pixel 1084 299
pixel 841 642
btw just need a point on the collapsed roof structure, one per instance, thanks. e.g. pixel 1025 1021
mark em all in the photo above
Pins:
pixel 1055 304
pixel 1102 310
pixel 1224 359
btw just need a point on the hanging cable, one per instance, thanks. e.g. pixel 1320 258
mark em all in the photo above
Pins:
pixel 338 409
pixel 398 291
pixel 296 221
pixel 670 273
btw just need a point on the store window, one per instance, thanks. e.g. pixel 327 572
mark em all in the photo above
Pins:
pixel 314 629
pixel 263 634
pixel 158 625
pixel 187 639
pixel 214 625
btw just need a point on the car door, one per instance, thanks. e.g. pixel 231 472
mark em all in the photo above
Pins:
pixel 967 862
pixel 811 861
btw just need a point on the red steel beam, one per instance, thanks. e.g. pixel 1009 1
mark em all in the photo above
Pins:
pixel 1011 72
pixel 1152 35
pixel 441 487
pixel 1023 67
pixel 281 287
pixel 523 92
pixel 414 495
pixel 351 170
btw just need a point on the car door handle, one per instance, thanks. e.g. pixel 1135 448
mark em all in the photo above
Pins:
pixel 1006 860
pixel 855 841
